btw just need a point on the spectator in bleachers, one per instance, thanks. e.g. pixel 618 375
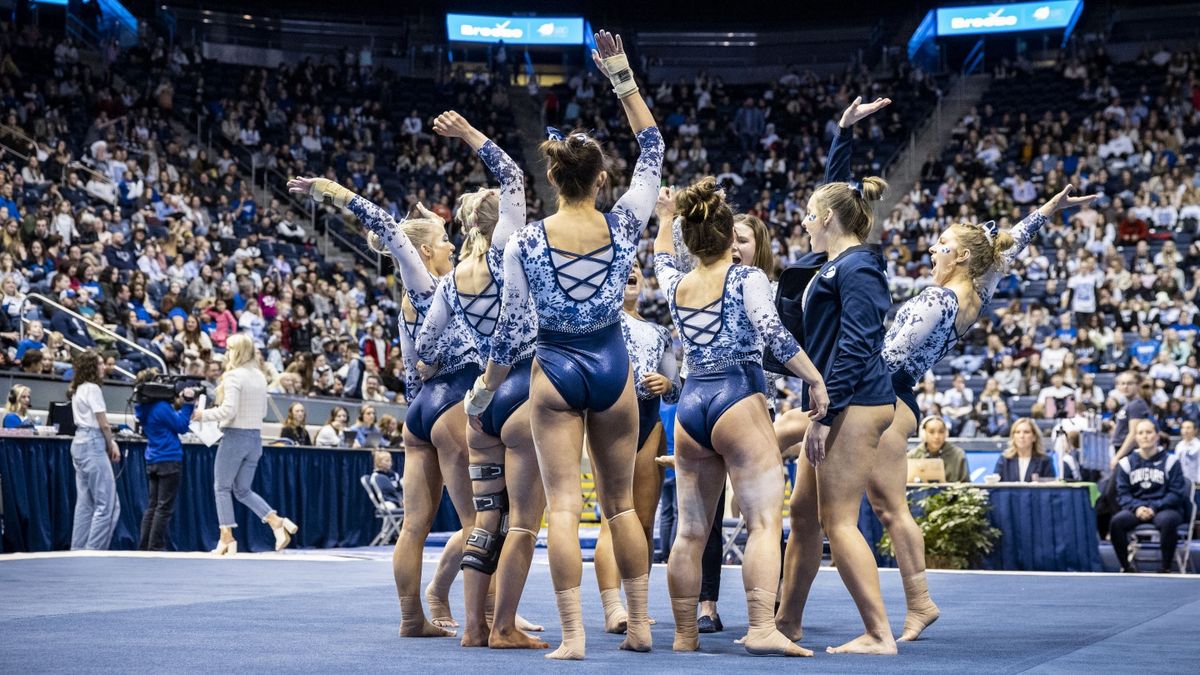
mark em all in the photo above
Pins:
pixel 366 431
pixel 71 328
pixel 1151 489
pixel 1188 451
pixel 1058 399
pixel 1025 459
pixel 390 432
pixel 16 408
pixel 35 336
pixel 386 481
pixel 1133 399
pixel 293 427
pixel 933 445
pixel 958 403
pixel 333 433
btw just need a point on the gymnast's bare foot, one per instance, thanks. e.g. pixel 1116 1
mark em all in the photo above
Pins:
pixel 867 644
pixel 424 629
pixel 918 619
pixel 514 638
pixel 792 631
pixel 772 643
pixel 528 626
pixel 476 636
pixel 439 609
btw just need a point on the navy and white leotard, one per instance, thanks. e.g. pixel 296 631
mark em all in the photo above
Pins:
pixel 465 323
pixel 426 400
pixel 723 344
pixel 685 262
pixel 650 351
pixel 578 296
pixel 924 332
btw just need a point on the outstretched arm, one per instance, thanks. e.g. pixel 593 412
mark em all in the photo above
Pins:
pixel 841 150
pixel 416 278
pixel 609 56
pixel 512 179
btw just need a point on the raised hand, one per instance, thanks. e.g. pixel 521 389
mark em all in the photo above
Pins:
pixel 664 205
pixel 1064 200
pixel 322 190
pixel 857 110
pixel 426 213
pixel 607 46
pixel 452 125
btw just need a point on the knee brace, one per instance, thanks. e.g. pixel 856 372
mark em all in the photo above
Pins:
pixel 496 501
pixel 486 555
pixel 485 471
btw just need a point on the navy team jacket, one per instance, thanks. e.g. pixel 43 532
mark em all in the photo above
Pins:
pixel 841 329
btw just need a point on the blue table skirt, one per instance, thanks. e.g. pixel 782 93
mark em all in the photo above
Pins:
pixel 1050 528
pixel 317 488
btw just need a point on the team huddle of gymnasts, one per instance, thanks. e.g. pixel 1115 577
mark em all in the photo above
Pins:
pixel 531 344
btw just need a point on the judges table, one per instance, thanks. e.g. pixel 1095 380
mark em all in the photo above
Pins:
pixel 1043 526
pixel 318 488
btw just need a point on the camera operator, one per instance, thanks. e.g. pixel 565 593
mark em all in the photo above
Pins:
pixel 163 415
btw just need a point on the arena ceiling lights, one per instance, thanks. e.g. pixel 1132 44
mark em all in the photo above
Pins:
pixel 1008 18
pixel 516 30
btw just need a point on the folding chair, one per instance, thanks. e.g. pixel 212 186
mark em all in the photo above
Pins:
pixel 1146 536
pixel 731 529
pixel 1183 554
pixel 390 519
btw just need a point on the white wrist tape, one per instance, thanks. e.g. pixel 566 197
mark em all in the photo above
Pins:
pixel 619 73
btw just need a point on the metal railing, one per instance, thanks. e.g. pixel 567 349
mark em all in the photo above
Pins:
pixel 77 348
pixel 91 324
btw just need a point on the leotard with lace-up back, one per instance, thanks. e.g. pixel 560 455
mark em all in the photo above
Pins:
pixel 578 297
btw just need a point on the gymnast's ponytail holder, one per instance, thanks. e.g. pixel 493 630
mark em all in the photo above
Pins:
pixel 990 229
pixel 857 187
pixel 554 134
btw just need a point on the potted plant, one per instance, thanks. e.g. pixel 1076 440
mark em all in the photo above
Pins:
pixel 954 521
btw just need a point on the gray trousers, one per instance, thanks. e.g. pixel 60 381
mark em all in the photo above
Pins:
pixel 96 505
pixel 237 460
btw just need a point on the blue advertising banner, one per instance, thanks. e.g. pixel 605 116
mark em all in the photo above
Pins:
pixel 515 30
pixel 1022 16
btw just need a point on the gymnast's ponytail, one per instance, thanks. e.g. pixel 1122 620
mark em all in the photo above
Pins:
pixel 478 213
pixel 853 204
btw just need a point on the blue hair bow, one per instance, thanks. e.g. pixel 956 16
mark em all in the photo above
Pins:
pixel 991 229
pixel 554 134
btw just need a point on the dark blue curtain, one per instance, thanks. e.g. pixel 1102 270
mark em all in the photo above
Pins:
pixel 1041 528
pixel 317 488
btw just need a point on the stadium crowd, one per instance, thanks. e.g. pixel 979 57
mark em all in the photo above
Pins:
pixel 110 209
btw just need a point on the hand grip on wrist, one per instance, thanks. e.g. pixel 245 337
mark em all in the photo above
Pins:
pixel 326 191
pixel 478 398
pixel 620 74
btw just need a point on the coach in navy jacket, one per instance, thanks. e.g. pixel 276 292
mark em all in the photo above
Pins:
pixel 852 288
pixel 1009 469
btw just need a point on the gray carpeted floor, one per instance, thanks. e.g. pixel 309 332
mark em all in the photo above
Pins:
pixel 337 612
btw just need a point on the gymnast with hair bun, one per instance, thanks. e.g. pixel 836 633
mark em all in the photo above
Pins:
pixel 575 265
pixel 725 317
